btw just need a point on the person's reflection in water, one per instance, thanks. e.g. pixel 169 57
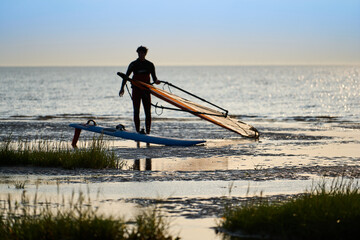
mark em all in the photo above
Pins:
pixel 137 164
pixel 147 164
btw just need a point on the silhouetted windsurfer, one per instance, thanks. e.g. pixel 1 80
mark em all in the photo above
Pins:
pixel 141 69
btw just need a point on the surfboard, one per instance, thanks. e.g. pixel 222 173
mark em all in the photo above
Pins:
pixel 121 133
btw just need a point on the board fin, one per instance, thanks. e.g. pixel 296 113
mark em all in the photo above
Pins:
pixel 78 132
pixel 76 137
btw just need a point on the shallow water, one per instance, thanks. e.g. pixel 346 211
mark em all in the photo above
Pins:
pixel 308 118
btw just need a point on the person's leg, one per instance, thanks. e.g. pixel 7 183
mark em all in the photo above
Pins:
pixel 136 98
pixel 146 99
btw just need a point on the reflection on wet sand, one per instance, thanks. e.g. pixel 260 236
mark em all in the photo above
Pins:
pixel 142 165
pixel 190 164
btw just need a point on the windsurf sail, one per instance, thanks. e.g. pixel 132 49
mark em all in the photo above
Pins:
pixel 221 119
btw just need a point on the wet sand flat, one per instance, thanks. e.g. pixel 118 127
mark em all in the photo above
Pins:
pixel 191 185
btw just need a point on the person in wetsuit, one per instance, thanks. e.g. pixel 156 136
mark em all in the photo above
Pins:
pixel 141 69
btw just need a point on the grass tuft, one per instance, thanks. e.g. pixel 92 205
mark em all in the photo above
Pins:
pixel 150 224
pixel 43 153
pixel 22 220
pixel 325 212
pixel 20 184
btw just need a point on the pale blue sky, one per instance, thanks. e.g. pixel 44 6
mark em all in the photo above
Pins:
pixel 186 32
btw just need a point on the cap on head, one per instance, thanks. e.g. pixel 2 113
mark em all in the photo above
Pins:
pixel 142 49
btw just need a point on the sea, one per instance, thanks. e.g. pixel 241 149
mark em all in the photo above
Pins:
pixel 256 92
pixel 308 118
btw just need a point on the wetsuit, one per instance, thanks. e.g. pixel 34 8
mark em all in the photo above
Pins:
pixel 142 69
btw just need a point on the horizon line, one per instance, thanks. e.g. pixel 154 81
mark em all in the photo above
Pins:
pixel 200 65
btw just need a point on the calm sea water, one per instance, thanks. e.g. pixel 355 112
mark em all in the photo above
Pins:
pixel 261 92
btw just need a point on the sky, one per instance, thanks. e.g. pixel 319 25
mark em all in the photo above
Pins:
pixel 184 32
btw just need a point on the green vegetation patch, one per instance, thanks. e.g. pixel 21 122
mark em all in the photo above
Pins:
pixel 47 154
pixel 77 221
pixel 326 212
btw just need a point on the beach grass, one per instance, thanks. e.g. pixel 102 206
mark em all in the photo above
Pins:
pixel 324 212
pixel 19 184
pixel 43 153
pixel 78 220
